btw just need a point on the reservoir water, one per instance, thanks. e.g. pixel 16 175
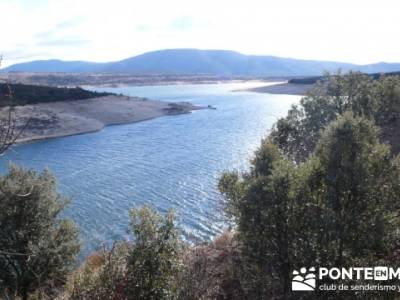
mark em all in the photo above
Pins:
pixel 169 162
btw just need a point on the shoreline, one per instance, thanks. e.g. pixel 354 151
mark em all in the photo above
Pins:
pixel 67 118
pixel 123 79
pixel 283 89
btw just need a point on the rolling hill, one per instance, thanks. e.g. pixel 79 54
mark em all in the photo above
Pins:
pixel 202 62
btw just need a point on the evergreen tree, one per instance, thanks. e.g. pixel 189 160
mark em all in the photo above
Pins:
pixel 376 99
pixel 38 248
pixel 153 262
pixel 359 182
pixel 337 208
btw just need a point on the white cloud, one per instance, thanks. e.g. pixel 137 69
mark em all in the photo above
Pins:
pixel 355 31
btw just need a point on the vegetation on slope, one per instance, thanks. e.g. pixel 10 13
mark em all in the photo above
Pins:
pixel 323 189
pixel 38 249
pixel 148 268
pixel 376 100
pixel 338 208
pixel 23 94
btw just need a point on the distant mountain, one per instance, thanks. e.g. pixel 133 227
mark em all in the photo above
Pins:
pixel 55 65
pixel 202 62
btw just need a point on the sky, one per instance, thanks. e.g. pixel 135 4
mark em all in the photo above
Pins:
pixel 358 31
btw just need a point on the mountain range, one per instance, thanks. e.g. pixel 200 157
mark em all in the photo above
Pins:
pixel 202 62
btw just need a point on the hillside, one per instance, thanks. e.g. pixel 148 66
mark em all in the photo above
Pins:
pixel 202 62
pixel 23 94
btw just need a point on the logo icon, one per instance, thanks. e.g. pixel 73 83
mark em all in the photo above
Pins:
pixel 381 273
pixel 303 280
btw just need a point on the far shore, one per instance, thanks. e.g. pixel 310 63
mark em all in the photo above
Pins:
pixel 59 119
pixel 121 80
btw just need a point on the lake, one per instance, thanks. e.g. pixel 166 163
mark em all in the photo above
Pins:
pixel 169 162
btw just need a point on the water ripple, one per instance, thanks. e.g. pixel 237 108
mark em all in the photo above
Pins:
pixel 170 162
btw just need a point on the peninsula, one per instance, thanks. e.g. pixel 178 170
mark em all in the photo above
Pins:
pixel 64 118
pixel 48 112
pixel 286 88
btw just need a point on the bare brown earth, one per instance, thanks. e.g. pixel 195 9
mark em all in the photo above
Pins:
pixel 57 119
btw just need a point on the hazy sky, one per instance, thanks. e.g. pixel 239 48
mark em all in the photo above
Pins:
pixel 360 31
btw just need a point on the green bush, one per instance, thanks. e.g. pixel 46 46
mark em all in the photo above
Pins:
pixel 154 261
pixel 102 277
pixel 337 208
pixel 38 249
pixel 377 100
pixel 148 268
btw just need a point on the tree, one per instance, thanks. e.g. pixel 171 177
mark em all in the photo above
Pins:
pixel 337 208
pixel 262 204
pixel 9 130
pixel 154 261
pixel 148 268
pixel 388 113
pixel 38 247
pixel 101 277
pixel 375 99
pixel 360 181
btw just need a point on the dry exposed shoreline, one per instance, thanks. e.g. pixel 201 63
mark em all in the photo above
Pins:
pixel 283 88
pixel 59 119
pixel 65 118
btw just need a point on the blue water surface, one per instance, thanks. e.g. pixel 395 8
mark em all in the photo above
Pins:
pixel 168 162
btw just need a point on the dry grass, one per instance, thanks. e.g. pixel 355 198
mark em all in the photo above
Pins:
pixel 212 270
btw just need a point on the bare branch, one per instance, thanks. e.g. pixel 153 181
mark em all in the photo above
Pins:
pixel 9 132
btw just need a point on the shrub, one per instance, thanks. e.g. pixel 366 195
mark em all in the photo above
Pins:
pixel 148 268
pixel 37 248
pixel 103 276
pixel 212 270
pixel 338 208
pixel 377 100
pixel 153 263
